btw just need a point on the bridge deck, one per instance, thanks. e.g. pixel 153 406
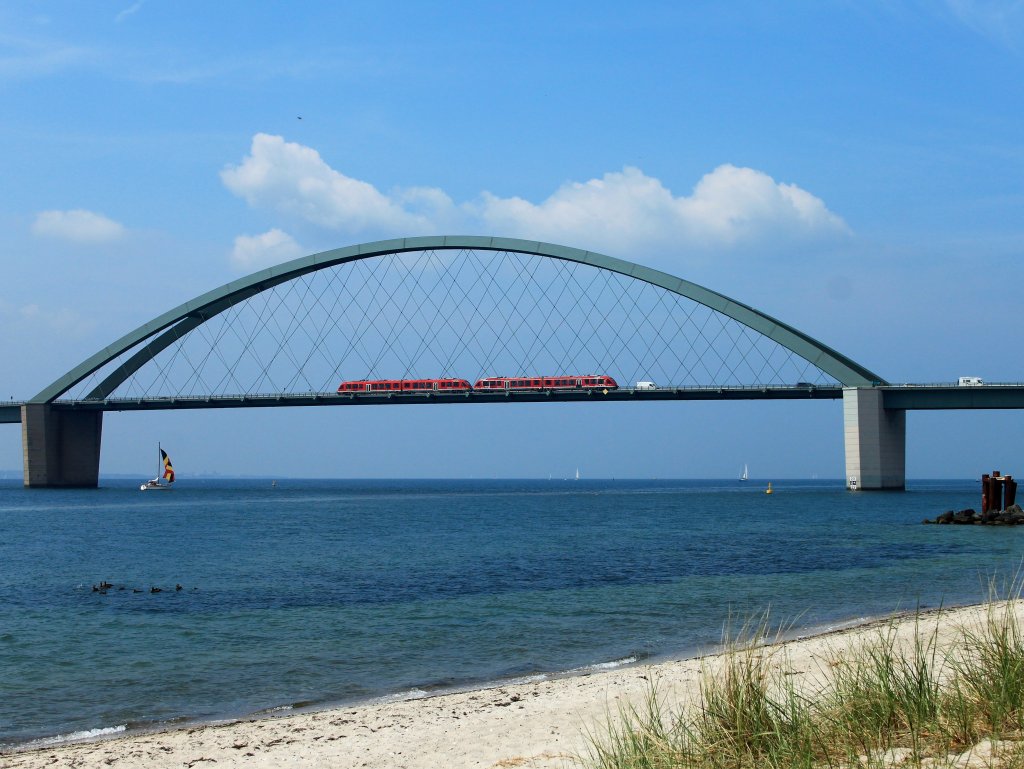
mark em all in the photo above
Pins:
pixel 924 397
pixel 12 412
pixel 907 397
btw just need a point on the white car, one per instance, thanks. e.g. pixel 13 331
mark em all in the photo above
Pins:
pixel 646 386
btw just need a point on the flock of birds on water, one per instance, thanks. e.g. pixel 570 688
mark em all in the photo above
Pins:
pixel 104 586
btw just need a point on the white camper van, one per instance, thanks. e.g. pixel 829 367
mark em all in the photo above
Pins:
pixel 970 381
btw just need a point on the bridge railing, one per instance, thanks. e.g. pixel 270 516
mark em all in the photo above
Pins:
pixel 689 392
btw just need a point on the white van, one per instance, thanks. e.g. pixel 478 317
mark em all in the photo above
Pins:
pixel 646 386
pixel 970 381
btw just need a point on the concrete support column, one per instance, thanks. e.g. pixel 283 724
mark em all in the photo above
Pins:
pixel 875 438
pixel 60 448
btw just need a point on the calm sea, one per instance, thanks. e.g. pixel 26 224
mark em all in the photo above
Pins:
pixel 313 593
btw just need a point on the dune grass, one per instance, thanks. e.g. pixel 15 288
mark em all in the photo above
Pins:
pixel 885 703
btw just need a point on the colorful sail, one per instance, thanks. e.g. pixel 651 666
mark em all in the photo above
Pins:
pixel 168 473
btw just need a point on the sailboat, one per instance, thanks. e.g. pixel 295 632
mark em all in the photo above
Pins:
pixel 744 476
pixel 164 472
pixel 577 473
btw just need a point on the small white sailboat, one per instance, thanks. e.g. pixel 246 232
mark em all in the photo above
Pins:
pixel 577 473
pixel 744 475
pixel 164 472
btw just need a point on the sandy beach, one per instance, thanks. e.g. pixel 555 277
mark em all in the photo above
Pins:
pixel 541 724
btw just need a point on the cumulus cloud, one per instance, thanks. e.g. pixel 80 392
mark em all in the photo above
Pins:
pixel 77 226
pixel 252 252
pixel 729 207
pixel 295 180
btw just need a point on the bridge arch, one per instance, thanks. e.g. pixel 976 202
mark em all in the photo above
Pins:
pixel 164 330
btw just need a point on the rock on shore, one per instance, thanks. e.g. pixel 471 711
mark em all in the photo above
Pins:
pixel 1011 516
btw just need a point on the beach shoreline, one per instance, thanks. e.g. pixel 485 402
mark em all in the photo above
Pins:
pixel 535 723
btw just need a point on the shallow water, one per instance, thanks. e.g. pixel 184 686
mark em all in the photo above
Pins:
pixel 321 592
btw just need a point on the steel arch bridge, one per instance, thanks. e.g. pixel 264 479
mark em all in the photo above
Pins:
pixel 428 308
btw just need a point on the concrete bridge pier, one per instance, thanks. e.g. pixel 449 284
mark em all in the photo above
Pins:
pixel 875 440
pixel 61 448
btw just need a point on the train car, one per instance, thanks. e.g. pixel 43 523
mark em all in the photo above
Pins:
pixel 405 386
pixel 564 382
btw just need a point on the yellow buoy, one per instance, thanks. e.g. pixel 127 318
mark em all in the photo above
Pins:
pixel 769 489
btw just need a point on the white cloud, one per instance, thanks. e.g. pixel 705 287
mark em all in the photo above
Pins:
pixel 129 11
pixel 252 252
pixel 26 58
pixel 77 226
pixel 728 207
pixel 31 316
pixel 998 20
pixel 623 211
pixel 294 180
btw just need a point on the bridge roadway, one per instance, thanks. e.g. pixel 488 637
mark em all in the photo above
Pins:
pixel 903 397
pixel 11 412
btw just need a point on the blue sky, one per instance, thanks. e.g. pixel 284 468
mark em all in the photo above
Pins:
pixel 854 169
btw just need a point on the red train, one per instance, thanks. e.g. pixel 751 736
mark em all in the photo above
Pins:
pixel 584 382
pixel 487 384
pixel 405 385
